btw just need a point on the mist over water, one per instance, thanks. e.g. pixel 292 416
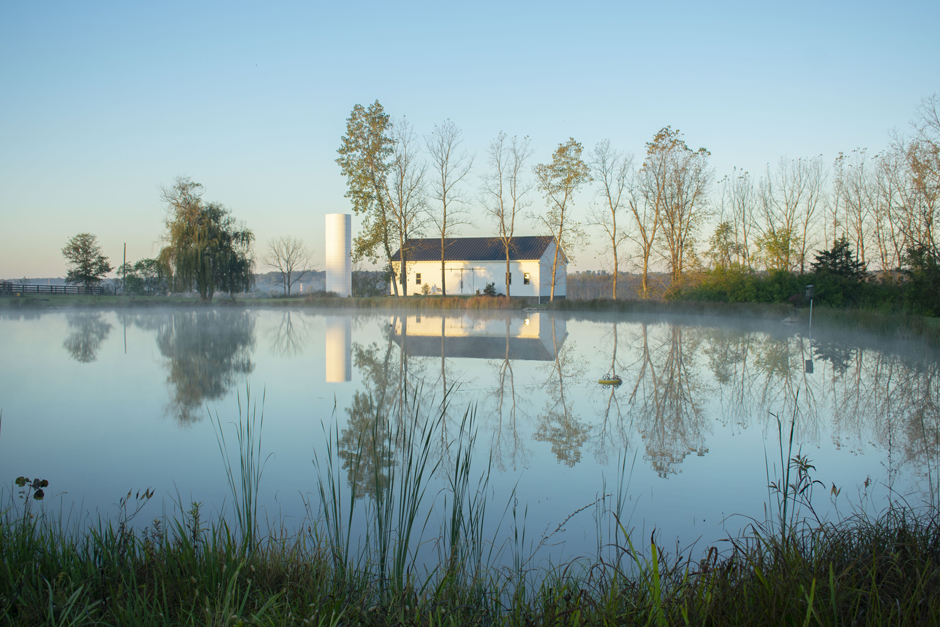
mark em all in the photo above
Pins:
pixel 102 402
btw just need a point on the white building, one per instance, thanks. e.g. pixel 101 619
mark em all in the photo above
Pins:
pixel 470 263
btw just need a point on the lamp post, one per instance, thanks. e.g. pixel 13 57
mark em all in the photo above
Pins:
pixel 809 295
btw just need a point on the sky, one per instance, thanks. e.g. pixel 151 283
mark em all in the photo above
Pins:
pixel 103 103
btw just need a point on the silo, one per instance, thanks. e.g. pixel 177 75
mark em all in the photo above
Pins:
pixel 338 249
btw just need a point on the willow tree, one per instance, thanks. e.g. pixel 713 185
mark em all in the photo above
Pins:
pixel 206 248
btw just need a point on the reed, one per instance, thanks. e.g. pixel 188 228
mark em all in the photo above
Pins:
pixel 184 570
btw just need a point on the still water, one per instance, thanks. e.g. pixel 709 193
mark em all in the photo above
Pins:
pixel 103 402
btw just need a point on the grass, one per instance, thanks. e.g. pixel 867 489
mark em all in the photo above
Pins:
pixel 791 569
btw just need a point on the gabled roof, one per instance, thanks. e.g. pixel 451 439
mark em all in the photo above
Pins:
pixel 476 249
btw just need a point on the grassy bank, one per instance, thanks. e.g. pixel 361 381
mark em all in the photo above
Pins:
pixel 184 570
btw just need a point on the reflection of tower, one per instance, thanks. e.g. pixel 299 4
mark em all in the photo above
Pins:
pixel 338 248
pixel 338 349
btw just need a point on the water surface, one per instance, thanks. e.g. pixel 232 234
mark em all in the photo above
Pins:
pixel 103 402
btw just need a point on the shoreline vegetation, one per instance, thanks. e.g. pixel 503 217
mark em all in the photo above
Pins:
pixel 792 568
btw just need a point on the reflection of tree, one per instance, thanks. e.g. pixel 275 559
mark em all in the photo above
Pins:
pixel 665 398
pixel 612 432
pixel 558 424
pixel 86 333
pixel 507 442
pixel 288 339
pixel 205 352
pixel 362 443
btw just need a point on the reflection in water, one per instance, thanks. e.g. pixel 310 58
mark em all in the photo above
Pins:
pixel 290 336
pixel 360 444
pixel 87 331
pixel 338 349
pixel 666 396
pixel 538 337
pixel 206 352
pixel 559 424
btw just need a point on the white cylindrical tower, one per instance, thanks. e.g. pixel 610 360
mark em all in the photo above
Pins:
pixel 338 253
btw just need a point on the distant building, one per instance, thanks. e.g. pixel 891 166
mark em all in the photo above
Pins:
pixel 470 263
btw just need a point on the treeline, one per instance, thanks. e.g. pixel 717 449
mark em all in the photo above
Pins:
pixel 666 213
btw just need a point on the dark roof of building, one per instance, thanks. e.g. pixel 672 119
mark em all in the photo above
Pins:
pixel 475 347
pixel 476 249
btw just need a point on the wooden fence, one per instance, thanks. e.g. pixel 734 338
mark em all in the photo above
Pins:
pixel 15 289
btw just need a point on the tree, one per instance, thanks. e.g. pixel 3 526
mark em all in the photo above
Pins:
pixel 613 170
pixel 290 258
pixel 841 261
pixel 558 181
pixel 724 251
pixel 365 160
pixel 405 195
pixel 205 247
pixel 451 166
pixel 676 181
pixel 144 278
pixel 87 263
pixel 504 190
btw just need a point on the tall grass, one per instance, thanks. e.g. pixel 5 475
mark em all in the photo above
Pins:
pixel 183 570
pixel 250 465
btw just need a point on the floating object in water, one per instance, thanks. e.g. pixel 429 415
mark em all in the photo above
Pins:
pixel 610 379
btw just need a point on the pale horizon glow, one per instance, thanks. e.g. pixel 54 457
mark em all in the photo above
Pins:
pixel 104 103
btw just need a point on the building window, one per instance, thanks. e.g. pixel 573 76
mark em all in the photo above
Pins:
pixel 509 278
pixel 418 278
pixel 525 278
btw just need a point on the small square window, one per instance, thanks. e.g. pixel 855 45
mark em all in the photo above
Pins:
pixel 525 278
pixel 418 279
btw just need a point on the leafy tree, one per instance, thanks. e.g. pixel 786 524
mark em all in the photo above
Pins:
pixel 724 250
pixel 87 263
pixel 206 248
pixel 144 278
pixel 841 261
pixel 365 160
pixel 558 181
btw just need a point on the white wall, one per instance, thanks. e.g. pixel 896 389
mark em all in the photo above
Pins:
pixel 476 274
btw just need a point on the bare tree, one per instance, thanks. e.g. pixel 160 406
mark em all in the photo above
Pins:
pixel 613 170
pixel 559 181
pixel 451 166
pixel 675 180
pixel 406 198
pixel 854 188
pixel 739 199
pixel 504 189
pixel 290 258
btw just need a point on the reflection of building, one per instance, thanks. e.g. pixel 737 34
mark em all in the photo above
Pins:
pixel 537 337
pixel 470 263
pixel 338 349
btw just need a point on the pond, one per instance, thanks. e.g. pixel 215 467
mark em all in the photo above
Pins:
pixel 103 402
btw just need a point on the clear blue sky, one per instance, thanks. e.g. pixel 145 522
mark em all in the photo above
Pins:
pixel 101 103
